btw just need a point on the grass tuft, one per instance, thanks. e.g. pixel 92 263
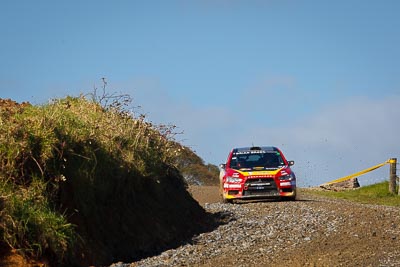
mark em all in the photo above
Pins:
pixel 29 223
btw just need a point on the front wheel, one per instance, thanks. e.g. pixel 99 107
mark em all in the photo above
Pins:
pixel 293 198
pixel 227 201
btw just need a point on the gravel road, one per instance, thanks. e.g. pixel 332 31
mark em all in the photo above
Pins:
pixel 312 231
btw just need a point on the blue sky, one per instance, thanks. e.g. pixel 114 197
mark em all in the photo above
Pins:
pixel 319 79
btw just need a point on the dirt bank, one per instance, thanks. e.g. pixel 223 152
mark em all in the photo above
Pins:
pixel 205 194
pixel 84 184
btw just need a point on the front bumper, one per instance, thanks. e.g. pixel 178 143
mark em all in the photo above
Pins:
pixel 260 188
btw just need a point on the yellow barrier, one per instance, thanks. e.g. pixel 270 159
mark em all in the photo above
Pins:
pixel 345 178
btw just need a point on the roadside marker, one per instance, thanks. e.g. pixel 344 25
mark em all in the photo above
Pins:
pixel 348 177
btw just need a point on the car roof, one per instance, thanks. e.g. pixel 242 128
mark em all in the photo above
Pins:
pixel 265 148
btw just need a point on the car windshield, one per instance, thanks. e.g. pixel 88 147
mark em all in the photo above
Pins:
pixel 256 160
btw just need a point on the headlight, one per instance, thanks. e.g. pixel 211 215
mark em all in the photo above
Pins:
pixel 233 179
pixel 287 177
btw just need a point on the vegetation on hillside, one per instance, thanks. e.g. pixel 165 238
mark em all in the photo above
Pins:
pixel 194 170
pixel 74 174
pixel 371 194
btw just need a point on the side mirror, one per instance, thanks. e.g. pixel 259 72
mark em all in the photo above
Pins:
pixel 222 166
pixel 291 162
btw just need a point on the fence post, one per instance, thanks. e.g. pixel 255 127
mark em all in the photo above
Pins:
pixel 392 175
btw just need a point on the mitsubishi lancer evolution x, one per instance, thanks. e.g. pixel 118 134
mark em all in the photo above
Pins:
pixel 257 172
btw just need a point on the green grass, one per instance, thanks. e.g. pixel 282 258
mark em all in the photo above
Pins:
pixel 30 224
pixel 372 194
pixel 69 143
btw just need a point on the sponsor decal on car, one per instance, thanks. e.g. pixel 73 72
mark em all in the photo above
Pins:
pixel 232 185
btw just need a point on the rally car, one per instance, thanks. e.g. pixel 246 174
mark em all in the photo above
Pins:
pixel 257 172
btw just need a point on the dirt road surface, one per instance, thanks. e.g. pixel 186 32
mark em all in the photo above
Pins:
pixel 312 231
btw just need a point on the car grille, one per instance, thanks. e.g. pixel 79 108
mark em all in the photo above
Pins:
pixel 260 187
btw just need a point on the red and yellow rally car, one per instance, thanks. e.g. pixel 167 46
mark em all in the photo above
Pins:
pixel 257 172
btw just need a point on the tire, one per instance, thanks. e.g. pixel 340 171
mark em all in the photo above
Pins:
pixel 293 198
pixel 227 201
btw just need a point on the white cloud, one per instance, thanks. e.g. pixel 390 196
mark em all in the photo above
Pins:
pixel 338 140
pixel 335 142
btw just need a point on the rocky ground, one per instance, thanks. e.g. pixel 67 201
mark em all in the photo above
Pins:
pixel 312 231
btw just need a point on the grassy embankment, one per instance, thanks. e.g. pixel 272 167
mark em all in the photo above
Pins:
pixel 372 194
pixel 87 183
